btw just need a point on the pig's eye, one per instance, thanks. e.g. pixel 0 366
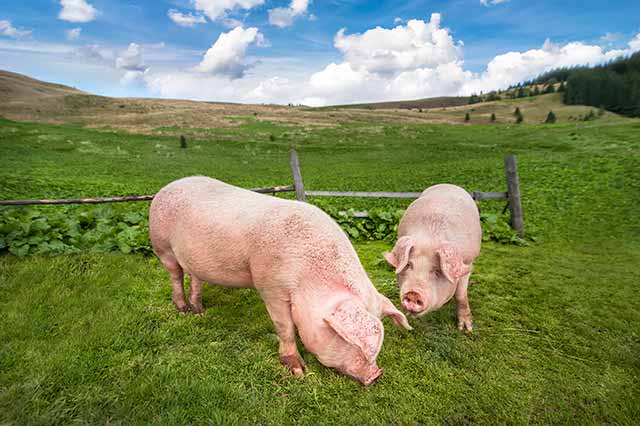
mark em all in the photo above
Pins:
pixel 409 265
pixel 436 273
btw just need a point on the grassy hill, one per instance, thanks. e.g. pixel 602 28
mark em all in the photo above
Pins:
pixel 428 103
pixel 26 99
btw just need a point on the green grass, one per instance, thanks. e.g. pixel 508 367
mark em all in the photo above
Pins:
pixel 93 338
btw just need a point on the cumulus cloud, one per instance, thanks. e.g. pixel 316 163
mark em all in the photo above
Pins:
pixel 405 47
pixel 415 60
pixel 131 59
pixel 188 20
pixel 492 2
pixel 610 37
pixel 284 16
pixel 77 11
pixel 133 65
pixel 95 53
pixel 74 33
pixel 514 67
pixel 634 44
pixel 215 9
pixel 6 29
pixel 227 55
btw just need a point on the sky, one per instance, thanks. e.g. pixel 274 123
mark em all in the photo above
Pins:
pixel 309 52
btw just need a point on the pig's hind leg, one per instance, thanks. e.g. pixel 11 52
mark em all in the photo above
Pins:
pixel 195 295
pixel 176 273
pixel 465 320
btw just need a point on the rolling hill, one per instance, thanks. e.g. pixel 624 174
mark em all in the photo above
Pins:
pixel 28 99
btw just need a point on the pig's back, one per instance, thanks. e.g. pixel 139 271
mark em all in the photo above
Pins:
pixel 444 211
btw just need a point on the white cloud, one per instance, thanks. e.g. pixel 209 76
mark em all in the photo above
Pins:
pixel 492 2
pixel 415 60
pixel 227 55
pixel 77 11
pixel 131 59
pixel 514 67
pixel 417 44
pixel 610 37
pixel 134 67
pixel 9 30
pixel 284 16
pixel 634 44
pixel 95 53
pixel 215 9
pixel 133 78
pixel 74 33
pixel 188 20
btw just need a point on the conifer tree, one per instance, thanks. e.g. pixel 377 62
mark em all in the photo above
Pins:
pixel 551 118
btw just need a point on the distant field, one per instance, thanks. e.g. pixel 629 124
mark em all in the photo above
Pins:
pixel 92 338
pixel 26 99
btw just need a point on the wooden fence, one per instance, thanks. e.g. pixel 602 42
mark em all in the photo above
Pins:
pixel 512 195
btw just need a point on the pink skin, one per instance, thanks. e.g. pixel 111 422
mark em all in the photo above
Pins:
pixel 295 255
pixel 438 239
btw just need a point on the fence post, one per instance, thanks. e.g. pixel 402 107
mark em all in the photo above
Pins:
pixel 513 192
pixel 297 175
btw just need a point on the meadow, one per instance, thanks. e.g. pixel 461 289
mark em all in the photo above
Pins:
pixel 92 338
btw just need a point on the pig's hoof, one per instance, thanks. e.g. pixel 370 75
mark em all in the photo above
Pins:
pixel 197 309
pixel 294 363
pixel 183 309
pixel 465 324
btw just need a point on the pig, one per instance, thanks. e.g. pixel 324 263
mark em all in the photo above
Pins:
pixel 439 238
pixel 298 259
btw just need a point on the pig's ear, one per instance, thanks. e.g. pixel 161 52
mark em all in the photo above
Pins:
pixel 388 310
pixel 452 263
pixel 358 327
pixel 399 257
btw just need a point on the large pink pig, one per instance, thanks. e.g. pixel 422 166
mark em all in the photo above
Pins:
pixel 295 255
pixel 438 239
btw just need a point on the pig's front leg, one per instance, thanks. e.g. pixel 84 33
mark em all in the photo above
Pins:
pixel 465 320
pixel 279 308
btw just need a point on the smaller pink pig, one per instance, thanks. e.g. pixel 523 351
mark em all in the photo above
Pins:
pixel 438 239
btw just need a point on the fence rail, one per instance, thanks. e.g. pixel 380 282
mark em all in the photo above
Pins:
pixel 512 195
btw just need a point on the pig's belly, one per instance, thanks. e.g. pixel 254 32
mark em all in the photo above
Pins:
pixel 227 272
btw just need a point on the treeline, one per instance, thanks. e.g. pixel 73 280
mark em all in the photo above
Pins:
pixel 614 86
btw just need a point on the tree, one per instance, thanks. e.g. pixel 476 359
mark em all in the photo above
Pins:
pixel 536 91
pixel 520 93
pixel 493 117
pixel 549 89
pixel 518 115
pixel 467 117
pixel 561 88
pixel 551 118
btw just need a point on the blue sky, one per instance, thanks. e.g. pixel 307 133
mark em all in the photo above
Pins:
pixel 292 51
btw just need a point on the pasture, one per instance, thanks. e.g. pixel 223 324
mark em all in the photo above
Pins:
pixel 92 337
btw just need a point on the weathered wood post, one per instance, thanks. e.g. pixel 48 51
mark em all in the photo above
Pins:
pixel 183 142
pixel 513 192
pixel 297 175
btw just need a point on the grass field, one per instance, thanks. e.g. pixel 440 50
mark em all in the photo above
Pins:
pixel 92 338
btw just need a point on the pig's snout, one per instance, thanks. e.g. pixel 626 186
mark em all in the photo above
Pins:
pixel 413 302
pixel 378 372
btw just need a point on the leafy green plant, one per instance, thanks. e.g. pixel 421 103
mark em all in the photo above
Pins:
pixel 26 231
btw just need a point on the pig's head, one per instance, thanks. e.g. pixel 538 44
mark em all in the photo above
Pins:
pixel 428 275
pixel 356 339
